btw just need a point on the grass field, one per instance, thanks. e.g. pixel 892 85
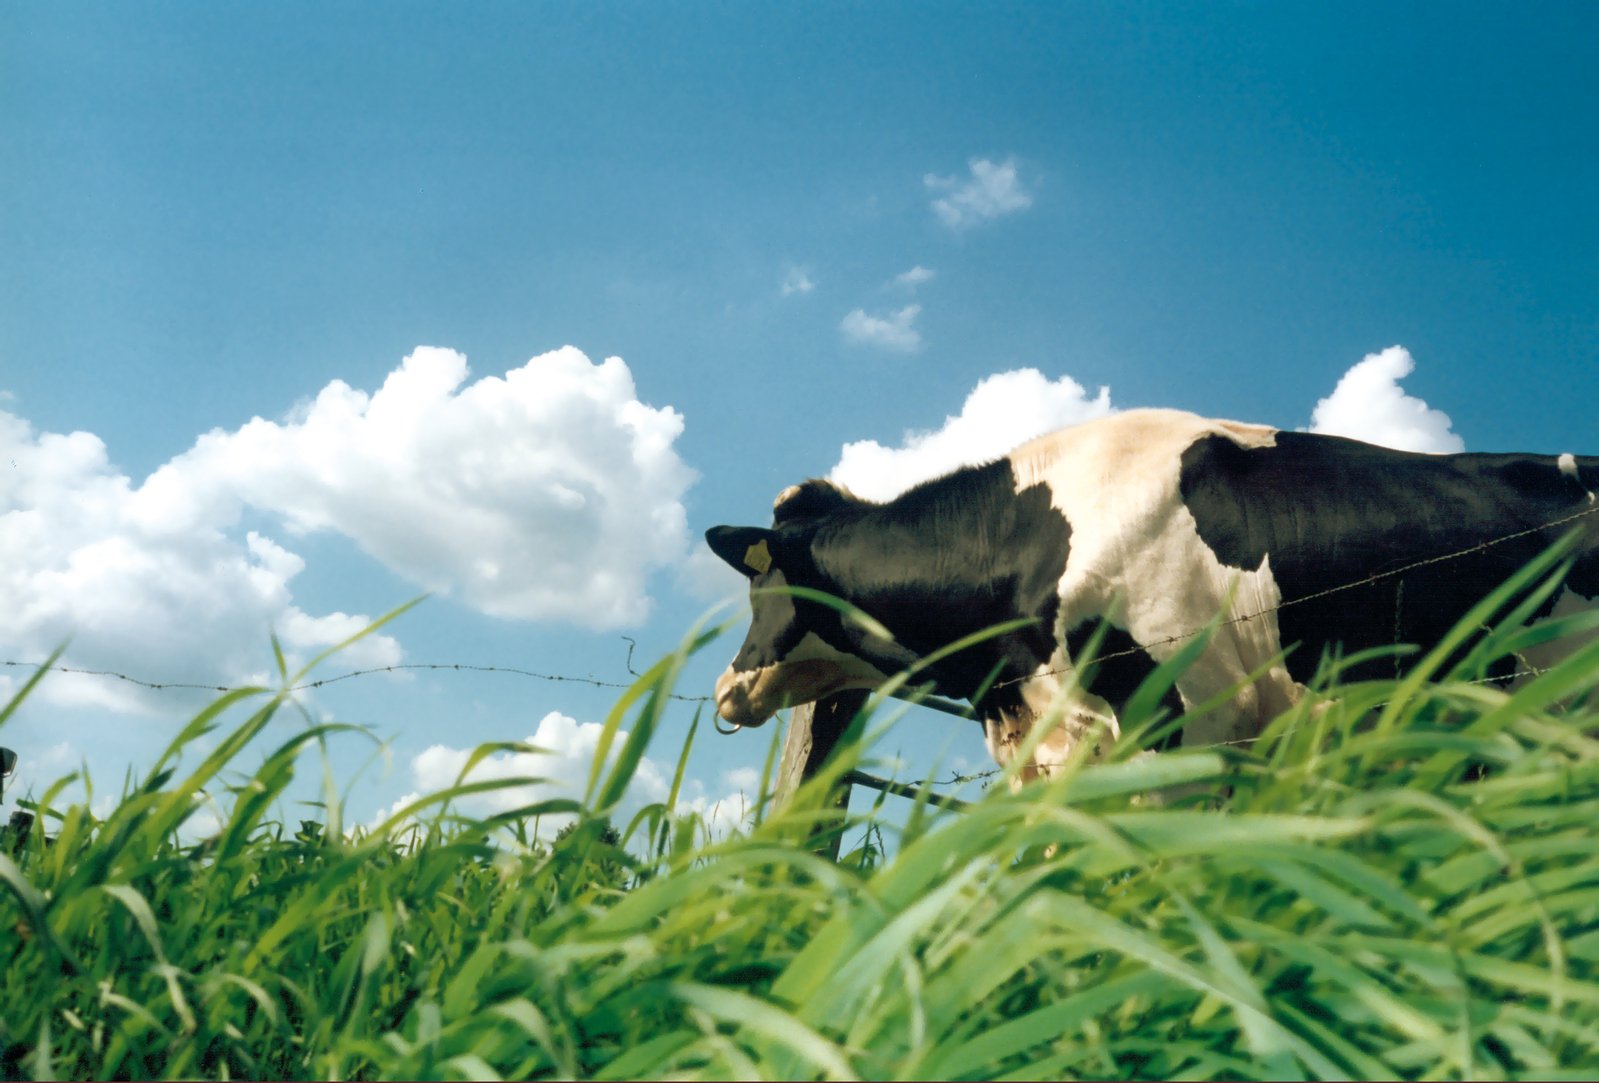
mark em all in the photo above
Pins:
pixel 1399 880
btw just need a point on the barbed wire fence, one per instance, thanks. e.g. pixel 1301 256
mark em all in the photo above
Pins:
pixel 323 682
pixel 918 698
pixel 855 777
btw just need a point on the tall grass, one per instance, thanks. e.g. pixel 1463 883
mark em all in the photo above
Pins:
pixel 1400 879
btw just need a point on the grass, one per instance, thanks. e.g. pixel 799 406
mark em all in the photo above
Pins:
pixel 1399 880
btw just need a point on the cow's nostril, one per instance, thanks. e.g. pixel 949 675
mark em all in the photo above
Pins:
pixel 733 698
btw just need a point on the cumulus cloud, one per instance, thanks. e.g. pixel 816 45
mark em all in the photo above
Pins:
pixel 85 555
pixel 894 331
pixel 991 190
pixel 1368 404
pixel 559 755
pixel 1002 411
pixel 549 493
pixel 796 280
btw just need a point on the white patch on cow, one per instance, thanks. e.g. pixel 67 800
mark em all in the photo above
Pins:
pixel 812 670
pixel 1568 466
pixel 1137 559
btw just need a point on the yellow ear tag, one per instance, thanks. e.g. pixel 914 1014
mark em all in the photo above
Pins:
pixel 758 557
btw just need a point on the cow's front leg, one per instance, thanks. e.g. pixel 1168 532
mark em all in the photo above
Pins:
pixel 1250 705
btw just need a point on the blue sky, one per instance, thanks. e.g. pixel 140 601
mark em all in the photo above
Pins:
pixel 799 228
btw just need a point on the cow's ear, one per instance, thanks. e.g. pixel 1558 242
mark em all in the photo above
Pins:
pixel 747 548
pixel 811 500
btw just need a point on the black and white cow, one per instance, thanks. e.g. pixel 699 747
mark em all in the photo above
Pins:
pixel 1153 521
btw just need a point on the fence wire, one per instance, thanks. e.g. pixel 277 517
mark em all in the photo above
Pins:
pixel 323 682
pixel 1367 580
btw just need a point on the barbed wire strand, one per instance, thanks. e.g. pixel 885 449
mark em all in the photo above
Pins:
pixel 323 682
pixel 1368 580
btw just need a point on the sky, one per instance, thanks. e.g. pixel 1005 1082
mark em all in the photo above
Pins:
pixel 308 310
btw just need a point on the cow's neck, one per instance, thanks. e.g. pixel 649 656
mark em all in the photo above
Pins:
pixel 952 558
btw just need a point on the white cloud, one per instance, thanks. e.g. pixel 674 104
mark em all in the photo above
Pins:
pixel 914 277
pixel 706 576
pixel 1002 411
pixel 559 756
pixel 797 280
pixel 744 779
pixel 1368 404
pixel 992 190
pixel 895 331
pixel 549 493
pixel 87 556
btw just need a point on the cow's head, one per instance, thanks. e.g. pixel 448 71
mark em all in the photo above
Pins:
pixel 798 649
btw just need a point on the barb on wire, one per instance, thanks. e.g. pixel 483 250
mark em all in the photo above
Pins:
pixel 900 789
pixel 957 779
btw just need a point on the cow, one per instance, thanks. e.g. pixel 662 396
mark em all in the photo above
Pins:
pixel 1145 525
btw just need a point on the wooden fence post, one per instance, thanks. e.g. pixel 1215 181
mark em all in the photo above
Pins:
pixel 814 730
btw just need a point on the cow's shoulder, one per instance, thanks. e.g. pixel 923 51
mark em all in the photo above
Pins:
pixel 1131 448
pixel 1106 473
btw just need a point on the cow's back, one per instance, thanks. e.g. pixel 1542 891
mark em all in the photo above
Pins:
pixel 1371 546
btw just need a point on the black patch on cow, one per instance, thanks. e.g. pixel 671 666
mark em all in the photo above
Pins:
pixel 774 626
pixel 949 558
pixel 1330 512
pixel 1120 665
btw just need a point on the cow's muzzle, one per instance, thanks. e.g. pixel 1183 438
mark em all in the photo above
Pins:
pixel 750 697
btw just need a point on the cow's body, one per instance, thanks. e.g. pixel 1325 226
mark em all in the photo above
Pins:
pixel 1153 521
